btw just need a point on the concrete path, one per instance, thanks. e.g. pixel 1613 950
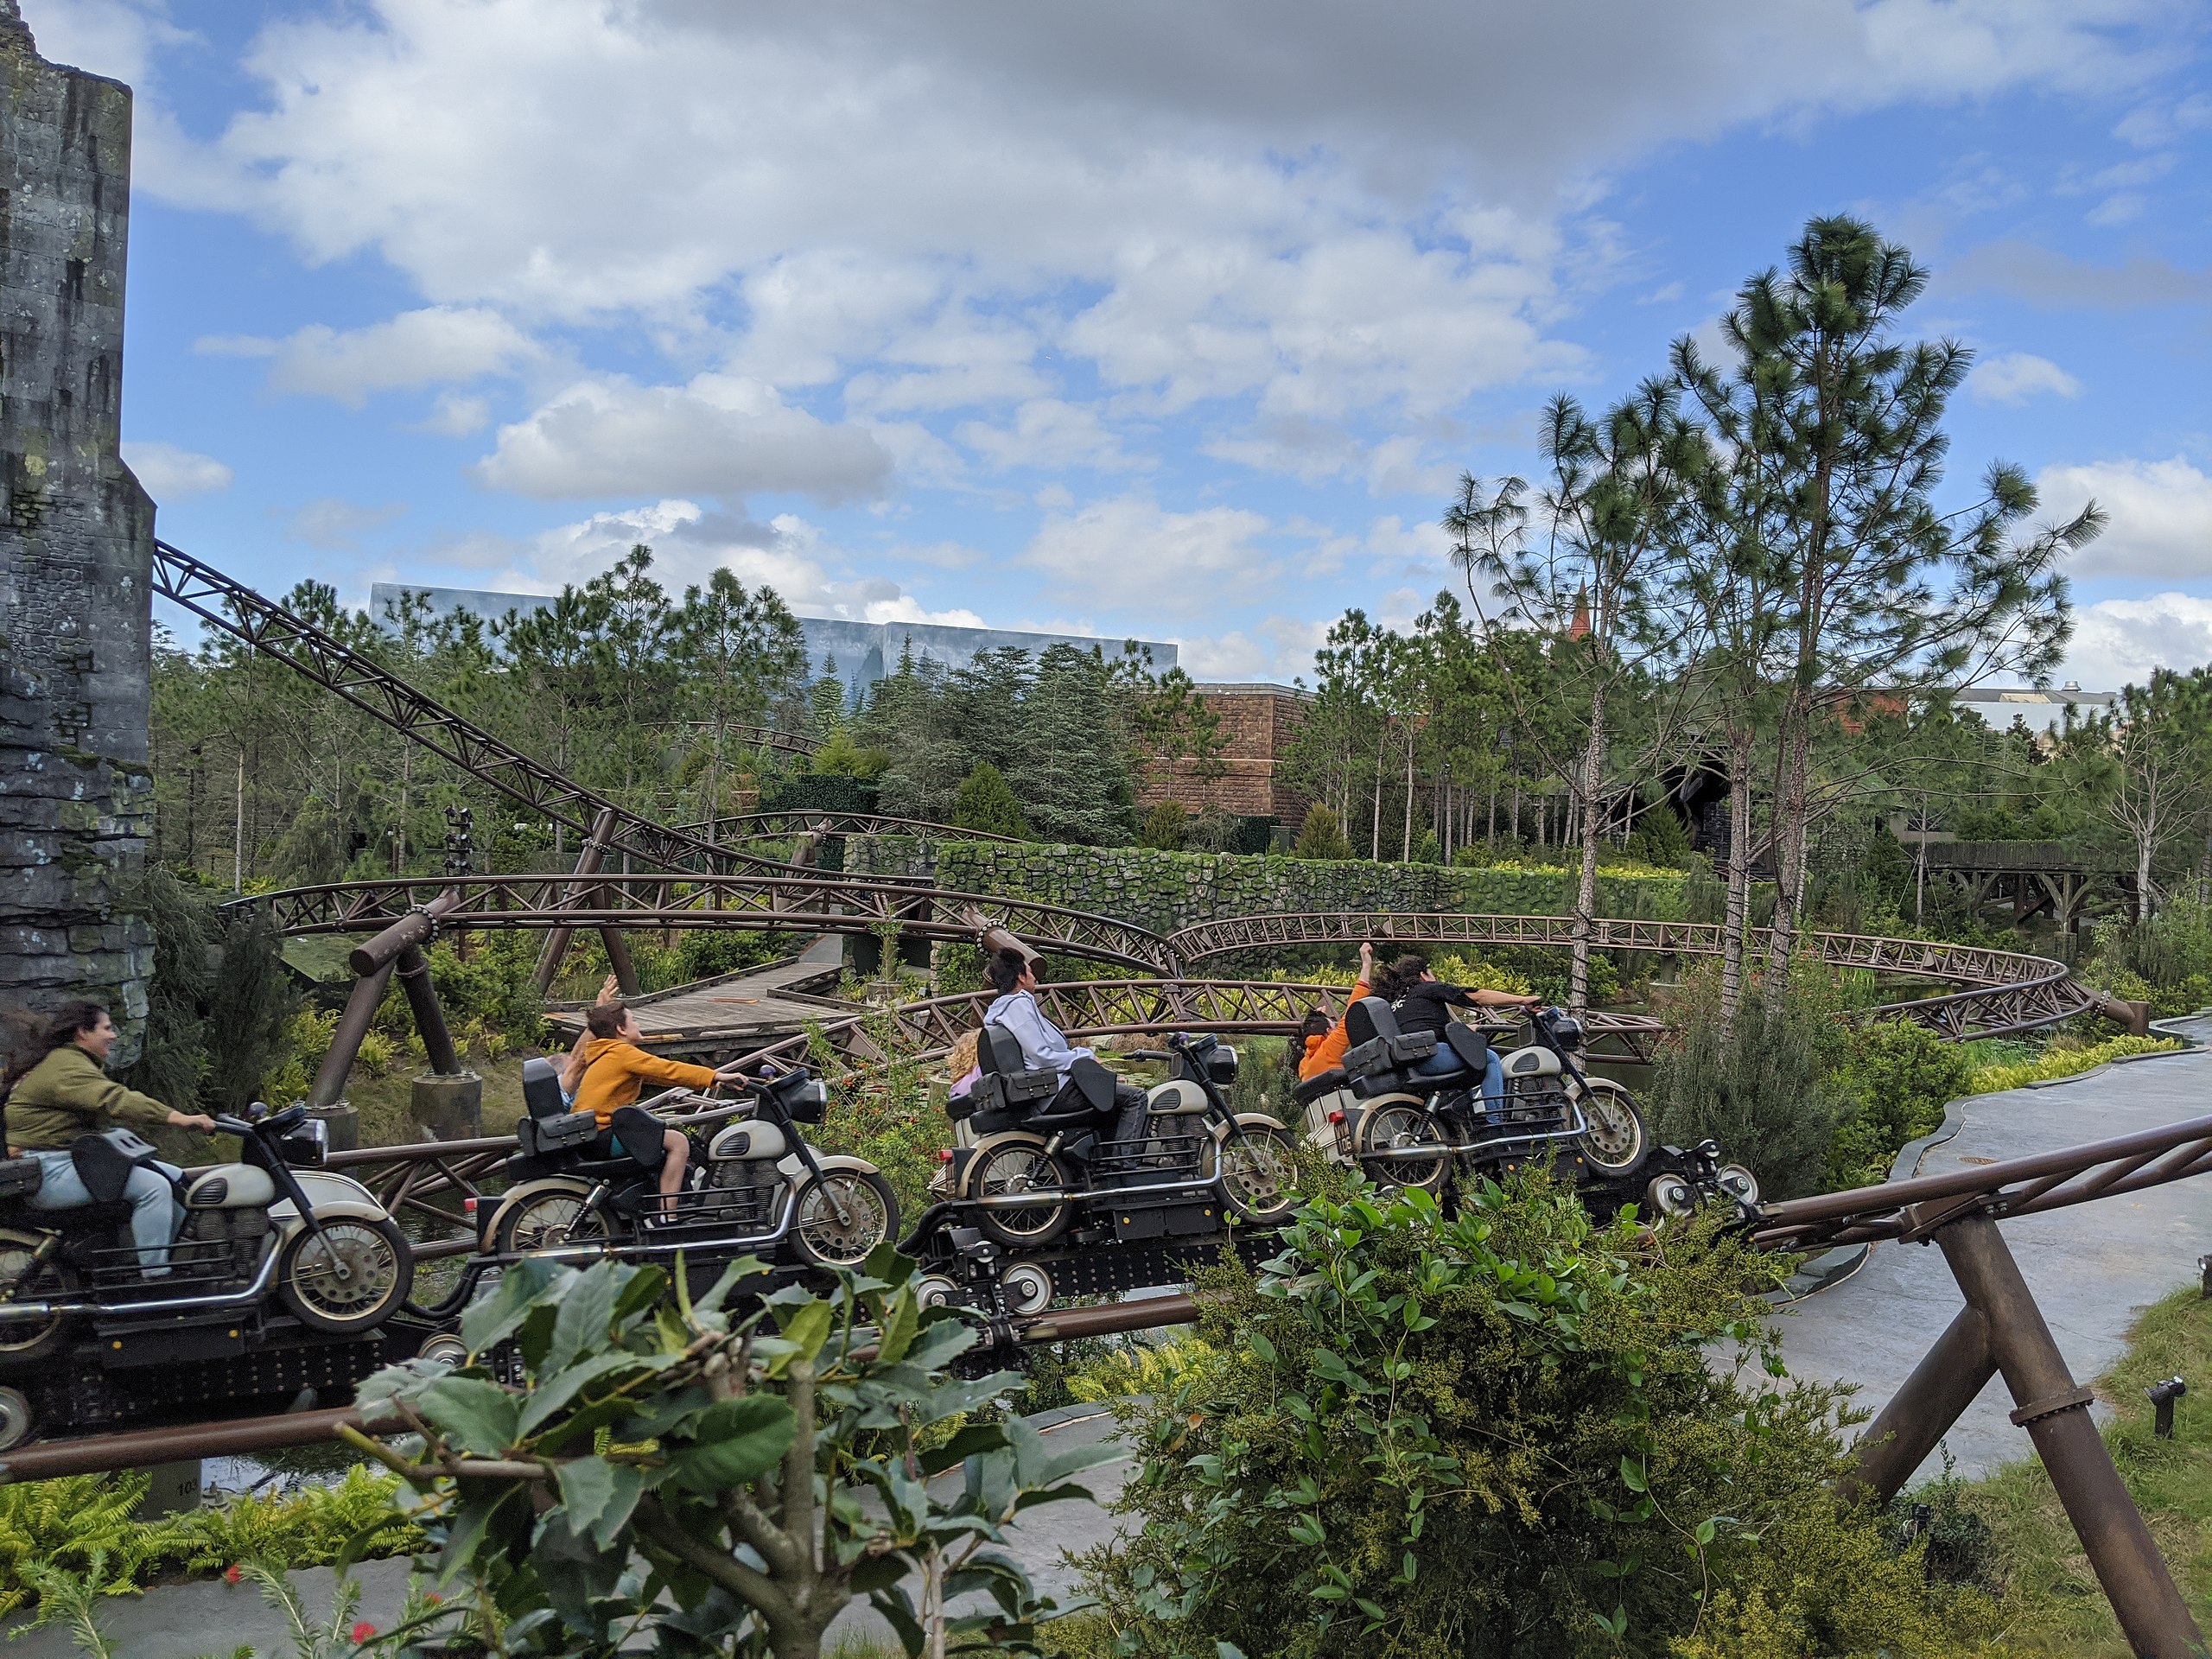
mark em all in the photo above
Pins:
pixel 2093 1268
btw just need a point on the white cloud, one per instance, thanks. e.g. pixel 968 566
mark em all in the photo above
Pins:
pixel 168 471
pixel 456 416
pixel 941 193
pixel 1279 649
pixel 1049 433
pixel 334 525
pixel 722 434
pixel 2161 516
pixel 2120 209
pixel 2119 641
pixel 2015 377
pixel 1127 554
pixel 435 345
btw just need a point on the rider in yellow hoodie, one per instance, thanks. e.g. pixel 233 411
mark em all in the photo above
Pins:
pixel 616 1071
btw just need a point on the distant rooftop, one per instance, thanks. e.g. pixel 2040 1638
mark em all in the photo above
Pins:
pixel 863 653
pixel 2042 710
pixel 1253 689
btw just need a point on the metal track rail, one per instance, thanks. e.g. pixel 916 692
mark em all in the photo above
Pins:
pixel 268 627
pixel 799 821
pixel 2006 990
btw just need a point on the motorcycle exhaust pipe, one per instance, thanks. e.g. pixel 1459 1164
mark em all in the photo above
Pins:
pixel 17 1312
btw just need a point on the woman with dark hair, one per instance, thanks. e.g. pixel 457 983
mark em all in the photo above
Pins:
pixel 1425 1002
pixel 57 1089
pixel 1044 1046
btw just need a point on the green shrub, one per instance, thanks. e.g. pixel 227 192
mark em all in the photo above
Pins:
pixel 65 1523
pixel 2064 1063
pixel 1497 1434
pixel 1321 836
pixel 987 801
pixel 1165 826
pixel 2166 962
pixel 1899 1078
pixel 1761 1086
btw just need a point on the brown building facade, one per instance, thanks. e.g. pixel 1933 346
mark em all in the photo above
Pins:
pixel 1259 721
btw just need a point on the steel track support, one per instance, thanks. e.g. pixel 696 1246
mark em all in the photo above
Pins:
pixel 346 1042
pixel 2055 1414
pixel 414 970
pixel 1945 1382
pixel 589 855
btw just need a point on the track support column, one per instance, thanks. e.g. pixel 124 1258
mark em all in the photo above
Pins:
pixel 414 970
pixel 1945 1382
pixel 588 861
pixel 2055 1414
pixel 346 1042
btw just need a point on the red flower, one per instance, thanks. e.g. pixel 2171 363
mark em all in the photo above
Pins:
pixel 231 1574
pixel 434 1597
pixel 361 1632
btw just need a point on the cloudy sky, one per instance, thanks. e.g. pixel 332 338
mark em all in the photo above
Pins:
pixel 1152 318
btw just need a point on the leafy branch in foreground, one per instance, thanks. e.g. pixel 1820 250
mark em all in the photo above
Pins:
pixel 722 1485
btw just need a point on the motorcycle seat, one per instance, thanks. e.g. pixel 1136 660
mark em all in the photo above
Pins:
pixel 77 1219
pixel 1320 1083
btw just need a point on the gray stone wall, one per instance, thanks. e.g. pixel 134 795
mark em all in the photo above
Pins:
pixel 76 546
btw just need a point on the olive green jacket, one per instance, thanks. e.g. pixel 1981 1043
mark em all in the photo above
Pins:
pixel 67 1094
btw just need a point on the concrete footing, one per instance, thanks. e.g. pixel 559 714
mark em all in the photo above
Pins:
pixel 448 1107
pixel 341 1123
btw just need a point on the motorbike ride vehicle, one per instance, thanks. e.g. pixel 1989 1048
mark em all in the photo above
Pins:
pixel 1696 1178
pixel 268 1233
pixel 755 1185
pixel 1031 1164
pixel 1408 1128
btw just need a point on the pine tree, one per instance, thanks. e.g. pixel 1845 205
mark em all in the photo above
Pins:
pixel 1321 835
pixel 986 803
pixel 1165 828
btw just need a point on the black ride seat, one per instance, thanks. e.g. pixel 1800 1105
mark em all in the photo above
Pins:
pixel 1320 1083
pixel 1008 1092
pixel 1382 1058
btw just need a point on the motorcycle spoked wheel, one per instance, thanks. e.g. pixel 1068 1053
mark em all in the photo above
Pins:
pixel 1010 1168
pixel 1257 1166
pixel 1402 1128
pixel 871 1217
pixel 546 1221
pixel 380 1272
pixel 1615 1140
pixel 24 1342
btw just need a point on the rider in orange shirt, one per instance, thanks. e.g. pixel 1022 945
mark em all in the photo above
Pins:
pixel 1327 1053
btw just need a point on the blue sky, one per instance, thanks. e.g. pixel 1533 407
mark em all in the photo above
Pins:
pixel 1154 319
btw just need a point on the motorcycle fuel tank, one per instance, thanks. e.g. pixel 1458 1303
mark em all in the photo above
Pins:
pixel 230 1186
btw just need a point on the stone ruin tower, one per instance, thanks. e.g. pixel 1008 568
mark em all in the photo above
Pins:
pixel 76 549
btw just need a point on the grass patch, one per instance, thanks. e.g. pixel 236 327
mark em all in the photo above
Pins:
pixel 2051 1597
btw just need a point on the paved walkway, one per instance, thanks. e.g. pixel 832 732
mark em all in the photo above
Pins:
pixel 2093 1268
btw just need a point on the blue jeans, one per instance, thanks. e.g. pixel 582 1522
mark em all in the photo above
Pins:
pixel 1444 1062
pixel 154 1213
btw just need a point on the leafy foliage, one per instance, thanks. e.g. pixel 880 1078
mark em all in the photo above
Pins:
pixel 1165 826
pixel 1497 1433
pixel 1321 836
pixel 705 1470
pixel 987 801
pixel 1900 1077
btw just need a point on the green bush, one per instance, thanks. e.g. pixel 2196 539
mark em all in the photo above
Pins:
pixel 1497 1434
pixel 1898 1078
pixel 1165 826
pixel 986 802
pixel 2166 962
pixel 1321 836
pixel 1761 1086
pixel 65 1524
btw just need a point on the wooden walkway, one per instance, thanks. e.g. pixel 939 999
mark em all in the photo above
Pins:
pixel 733 1015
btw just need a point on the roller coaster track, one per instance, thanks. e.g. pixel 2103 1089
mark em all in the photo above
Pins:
pixel 790 900
pixel 2006 990
pixel 797 821
pixel 268 627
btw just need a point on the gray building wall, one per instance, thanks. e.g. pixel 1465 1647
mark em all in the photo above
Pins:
pixel 76 549
pixel 862 651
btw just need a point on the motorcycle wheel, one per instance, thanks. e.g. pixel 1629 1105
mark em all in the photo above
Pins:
pixel 1258 1168
pixel 24 1342
pixel 1015 1167
pixel 380 1272
pixel 1401 1128
pixel 1615 1140
pixel 546 1221
pixel 871 1216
